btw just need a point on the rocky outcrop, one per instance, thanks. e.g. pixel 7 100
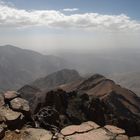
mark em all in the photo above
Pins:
pixel 92 131
pixel 85 131
pixel 96 99
pixel 56 117
pixel 14 112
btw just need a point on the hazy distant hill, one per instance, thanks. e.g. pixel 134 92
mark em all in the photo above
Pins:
pixel 129 80
pixel 105 61
pixel 19 67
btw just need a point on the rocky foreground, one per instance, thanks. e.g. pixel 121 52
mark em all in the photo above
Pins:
pixel 17 123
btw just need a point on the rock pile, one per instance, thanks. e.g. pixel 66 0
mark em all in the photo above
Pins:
pixel 16 124
pixel 14 112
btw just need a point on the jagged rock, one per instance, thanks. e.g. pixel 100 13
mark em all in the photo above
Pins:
pixel 11 118
pixel 1 100
pixel 114 129
pixel 9 95
pixel 29 134
pixel 20 104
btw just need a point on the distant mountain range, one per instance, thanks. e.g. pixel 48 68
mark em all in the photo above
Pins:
pixel 130 80
pixel 19 67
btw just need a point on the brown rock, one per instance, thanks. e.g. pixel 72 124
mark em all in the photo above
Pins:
pixel 37 134
pixel 84 127
pixel 11 118
pixel 114 129
pixel 29 134
pixel 122 137
pixel 9 95
pixel 69 130
pixel 20 104
pixel 97 134
pixel 92 124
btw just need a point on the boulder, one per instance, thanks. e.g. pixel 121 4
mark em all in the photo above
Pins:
pixel 29 134
pixel 87 126
pixel 114 129
pixel 91 131
pixel 20 104
pixel 11 118
pixel 9 95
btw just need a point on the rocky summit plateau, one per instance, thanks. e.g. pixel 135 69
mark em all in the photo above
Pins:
pixel 17 123
pixel 76 108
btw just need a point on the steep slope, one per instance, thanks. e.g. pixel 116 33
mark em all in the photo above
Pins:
pixel 95 99
pixel 19 67
pixel 35 93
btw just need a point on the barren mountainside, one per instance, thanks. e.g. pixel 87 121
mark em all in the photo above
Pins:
pixel 19 67
pixel 95 99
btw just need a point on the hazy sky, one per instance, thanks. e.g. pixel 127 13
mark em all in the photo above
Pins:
pixel 55 25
